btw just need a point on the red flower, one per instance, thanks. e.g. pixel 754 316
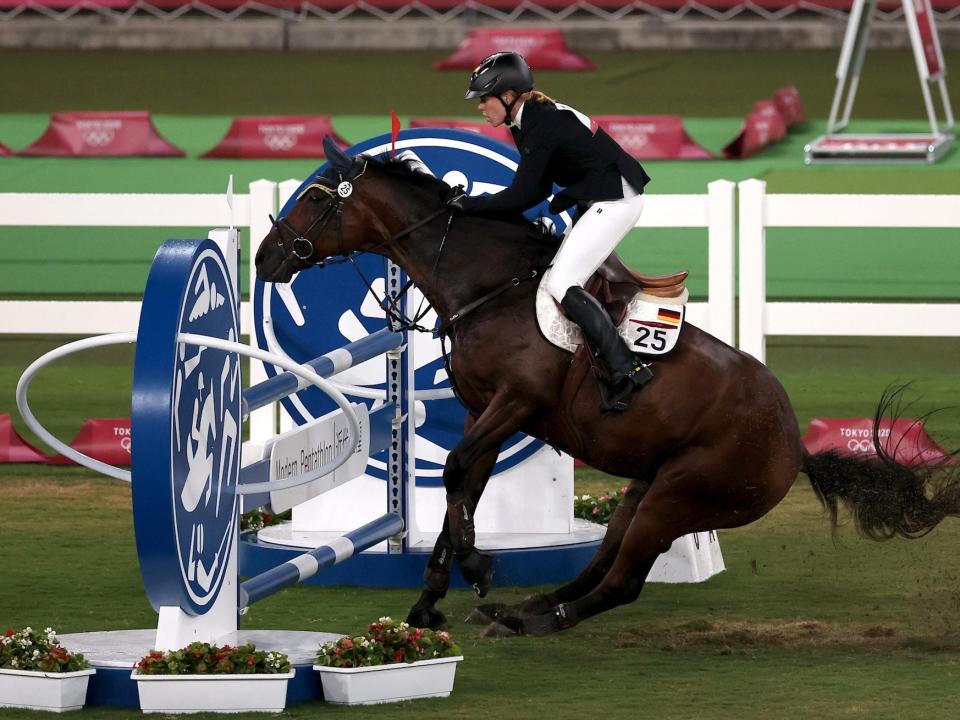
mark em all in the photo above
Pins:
pixel 251 660
pixel 398 655
pixel 9 632
pixel 346 643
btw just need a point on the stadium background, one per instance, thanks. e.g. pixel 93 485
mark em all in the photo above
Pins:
pixel 802 624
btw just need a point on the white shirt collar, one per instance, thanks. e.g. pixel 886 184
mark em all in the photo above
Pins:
pixel 516 120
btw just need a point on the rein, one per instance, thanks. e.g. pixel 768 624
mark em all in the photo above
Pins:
pixel 301 248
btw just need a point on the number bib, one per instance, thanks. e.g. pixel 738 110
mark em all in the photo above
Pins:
pixel 652 328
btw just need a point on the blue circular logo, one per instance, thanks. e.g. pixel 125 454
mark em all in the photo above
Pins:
pixel 321 310
pixel 187 406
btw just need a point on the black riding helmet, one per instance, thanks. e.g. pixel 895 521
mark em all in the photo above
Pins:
pixel 498 73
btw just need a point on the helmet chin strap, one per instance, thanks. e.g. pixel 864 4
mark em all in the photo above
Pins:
pixel 508 108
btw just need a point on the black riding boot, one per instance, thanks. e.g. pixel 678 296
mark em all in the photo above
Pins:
pixel 626 370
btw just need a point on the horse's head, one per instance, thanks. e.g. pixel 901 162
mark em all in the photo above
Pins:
pixel 332 217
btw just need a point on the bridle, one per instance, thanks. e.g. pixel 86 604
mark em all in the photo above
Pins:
pixel 302 249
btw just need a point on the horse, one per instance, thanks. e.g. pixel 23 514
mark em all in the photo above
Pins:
pixel 711 442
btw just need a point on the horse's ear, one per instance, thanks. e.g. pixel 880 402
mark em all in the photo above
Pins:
pixel 338 158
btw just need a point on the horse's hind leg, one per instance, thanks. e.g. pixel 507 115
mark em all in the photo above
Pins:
pixel 647 536
pixel 589 577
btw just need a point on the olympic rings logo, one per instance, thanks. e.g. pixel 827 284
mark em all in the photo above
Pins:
pixel 280 142
pixel 862 446
pixel 98 138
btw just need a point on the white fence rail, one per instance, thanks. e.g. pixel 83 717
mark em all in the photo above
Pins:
pixel 759 318
pixel 119 210
pixel 713 211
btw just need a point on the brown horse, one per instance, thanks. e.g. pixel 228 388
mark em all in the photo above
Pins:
pixel 711 442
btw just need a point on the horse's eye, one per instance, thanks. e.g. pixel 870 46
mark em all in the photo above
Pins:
pixel 315 197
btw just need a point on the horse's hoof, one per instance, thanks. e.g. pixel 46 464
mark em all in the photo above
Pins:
pixel 498 630
pixel 535 605
pixel 477 569
pixel 427 617
pixel 539 625
pixel 484 614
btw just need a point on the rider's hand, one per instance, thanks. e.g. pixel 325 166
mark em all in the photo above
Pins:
pixel 454 198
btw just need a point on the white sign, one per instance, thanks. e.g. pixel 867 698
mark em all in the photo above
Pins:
pixel 307 448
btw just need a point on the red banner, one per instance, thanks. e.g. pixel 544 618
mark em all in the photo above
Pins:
pixel 13 448
pixel 4 150
pixel 283 136
pixel 904 439
pixel 106 440
pixel 104 134
pixel 543 49
pixel 497 133
pixel 652 137
pixel 787 100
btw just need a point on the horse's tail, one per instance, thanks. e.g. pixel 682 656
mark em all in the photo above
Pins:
pixel 885 497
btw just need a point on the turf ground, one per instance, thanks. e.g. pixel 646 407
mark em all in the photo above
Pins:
pixel 802 625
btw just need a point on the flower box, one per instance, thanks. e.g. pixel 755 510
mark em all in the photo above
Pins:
pixel 388 683
pixel 36 690
pixel 212 693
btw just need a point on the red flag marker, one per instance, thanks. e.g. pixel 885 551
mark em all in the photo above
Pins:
pixel 394 132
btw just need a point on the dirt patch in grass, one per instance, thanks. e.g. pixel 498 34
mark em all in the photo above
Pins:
pixel 735 636
pixel 100 494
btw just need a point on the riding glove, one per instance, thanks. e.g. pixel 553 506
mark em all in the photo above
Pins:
pixel 455 196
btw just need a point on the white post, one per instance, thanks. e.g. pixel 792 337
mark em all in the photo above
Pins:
pixel 263 202
pixel 721 297
pixel 753 268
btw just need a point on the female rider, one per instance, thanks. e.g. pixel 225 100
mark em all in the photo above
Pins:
pixel 560 145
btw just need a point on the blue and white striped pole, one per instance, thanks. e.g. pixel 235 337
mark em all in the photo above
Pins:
pixel 309 564
pixel 335 361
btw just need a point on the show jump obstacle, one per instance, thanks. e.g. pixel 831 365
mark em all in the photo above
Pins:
pixel 837 146
pixel 189 487
pixel 187 482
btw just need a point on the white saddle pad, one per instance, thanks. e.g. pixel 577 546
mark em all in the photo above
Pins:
pixel 651 325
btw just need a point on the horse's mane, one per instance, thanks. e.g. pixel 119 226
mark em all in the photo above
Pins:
pixel 408 170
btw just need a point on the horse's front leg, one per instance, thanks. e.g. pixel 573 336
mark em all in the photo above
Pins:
pixel 436 576
pixel 465 475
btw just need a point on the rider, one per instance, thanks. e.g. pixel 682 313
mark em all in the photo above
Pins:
pixel 560 145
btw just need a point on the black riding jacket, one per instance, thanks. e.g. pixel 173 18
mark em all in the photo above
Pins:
pixel 559 145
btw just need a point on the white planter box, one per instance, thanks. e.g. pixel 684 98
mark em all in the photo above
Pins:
pixel 57 692
pixel 212 693
pixel 388 683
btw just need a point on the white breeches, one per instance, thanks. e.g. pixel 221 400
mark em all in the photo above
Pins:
pixel 585 246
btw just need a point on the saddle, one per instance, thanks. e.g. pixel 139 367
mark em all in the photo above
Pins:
pixel 615 284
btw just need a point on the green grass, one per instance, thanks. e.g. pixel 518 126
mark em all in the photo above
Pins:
pixel 695 83
pixel 802 624
pixel 798 626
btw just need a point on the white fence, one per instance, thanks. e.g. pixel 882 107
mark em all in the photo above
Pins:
pixel 119 210
pixel 759 318
pixel 713 211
